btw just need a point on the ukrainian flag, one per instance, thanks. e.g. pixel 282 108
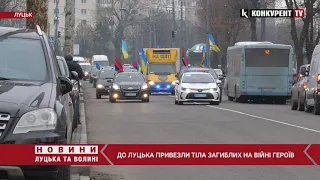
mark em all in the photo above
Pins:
pixel 212 44
pixel 125 50
pixel 143 61
pixel 204 61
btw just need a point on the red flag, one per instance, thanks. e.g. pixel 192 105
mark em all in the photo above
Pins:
pixel 182 52
pixel 134 64
pixel 185 61
pixel 118 65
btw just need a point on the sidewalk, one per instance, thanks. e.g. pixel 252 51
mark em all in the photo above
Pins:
pixel 79 136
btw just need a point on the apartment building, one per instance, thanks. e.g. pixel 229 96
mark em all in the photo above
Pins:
pixel 85 11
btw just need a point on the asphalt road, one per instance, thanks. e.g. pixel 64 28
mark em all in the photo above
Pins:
pixel 161 121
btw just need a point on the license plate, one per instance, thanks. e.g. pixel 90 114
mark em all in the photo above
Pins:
pixel 131 94
pixel 200 95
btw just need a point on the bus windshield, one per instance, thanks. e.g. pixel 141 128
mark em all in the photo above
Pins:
pixel 261 57
pixel 101 63
pixel 162 68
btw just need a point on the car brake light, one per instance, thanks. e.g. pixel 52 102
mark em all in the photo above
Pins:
pixel 304 85
pixel 318 83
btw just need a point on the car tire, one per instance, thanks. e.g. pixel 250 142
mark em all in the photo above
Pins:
pixel 98 96
pixel 172 93
pixel 214 103
pixel 175 102
pixel 112 100
pixel 307 108
pixel 300 104
pixel 90 81
pixel 146 100
pixel 294 104
pixel 316 108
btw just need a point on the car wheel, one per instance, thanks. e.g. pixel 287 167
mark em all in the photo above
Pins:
pixel 294 104
pixel 175 102
pixel 316 108
pixel 300 104
pixel 180 102
pixel 214 103
pixel 307 108
pixel 112 100
pixel 90 80
pixel 98 96
pixel 172 93
pixel 146 100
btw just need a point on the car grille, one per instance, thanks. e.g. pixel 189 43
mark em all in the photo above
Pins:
pixel 130 88
pixel 191 96
pixel 4 119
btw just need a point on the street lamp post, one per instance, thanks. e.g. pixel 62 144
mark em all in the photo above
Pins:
pixel 121 24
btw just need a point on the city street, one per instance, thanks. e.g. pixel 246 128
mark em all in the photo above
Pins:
pixel 161 121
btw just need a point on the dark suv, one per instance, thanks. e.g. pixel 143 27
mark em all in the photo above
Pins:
pixel 32 92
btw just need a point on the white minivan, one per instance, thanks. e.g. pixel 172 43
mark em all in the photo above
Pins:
pixel 312 97
pixel 102 60
pixel 79 59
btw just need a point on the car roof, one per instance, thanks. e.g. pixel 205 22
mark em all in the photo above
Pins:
pixel 19 33
pixel 196 73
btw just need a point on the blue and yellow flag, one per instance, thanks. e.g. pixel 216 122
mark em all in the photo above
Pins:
pixel 204 61
pixel 143 61
pixel 125 50
pixel 213 43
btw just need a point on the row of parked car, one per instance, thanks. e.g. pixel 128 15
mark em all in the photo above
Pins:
pixel 39 102
pixel 305 95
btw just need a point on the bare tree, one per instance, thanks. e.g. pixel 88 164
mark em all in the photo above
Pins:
pixel 84 36
pixel 123 15
pixel 12 5
pixel 306 36
pixel 40 13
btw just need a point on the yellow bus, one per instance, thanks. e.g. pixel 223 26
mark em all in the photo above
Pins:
pixel 163 65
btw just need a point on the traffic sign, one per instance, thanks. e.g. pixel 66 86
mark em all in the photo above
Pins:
pixel 51 38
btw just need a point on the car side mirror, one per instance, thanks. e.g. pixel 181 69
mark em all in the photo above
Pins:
pixel 66 85
pixel 12 172
pixel 303 71
pixel 219 81
pixel 177 82
pixel 74 73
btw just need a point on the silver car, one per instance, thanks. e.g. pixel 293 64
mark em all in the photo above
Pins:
pixel 197 87
pixel 298 89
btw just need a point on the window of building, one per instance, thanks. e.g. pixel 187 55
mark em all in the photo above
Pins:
pixel 83 1
pixel 83 11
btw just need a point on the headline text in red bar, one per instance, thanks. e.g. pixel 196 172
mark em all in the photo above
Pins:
pixel 8 15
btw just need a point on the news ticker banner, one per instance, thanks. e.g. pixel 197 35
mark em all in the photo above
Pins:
pixel 9 15
pixel 271 13
pixel 160 154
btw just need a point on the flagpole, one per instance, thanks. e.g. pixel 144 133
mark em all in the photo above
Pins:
pixel 208 32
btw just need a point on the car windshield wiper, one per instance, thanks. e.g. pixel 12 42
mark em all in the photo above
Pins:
pixel 3 78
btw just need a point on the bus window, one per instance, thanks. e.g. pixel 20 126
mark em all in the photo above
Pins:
pixel 260 57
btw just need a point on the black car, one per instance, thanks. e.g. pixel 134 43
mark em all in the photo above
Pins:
pixel 104 82
pixel 32 107
pixel 129 86
pixel 95 76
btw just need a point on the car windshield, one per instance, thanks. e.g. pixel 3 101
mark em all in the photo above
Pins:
pixel 126 69
pixel 214 74
pixel 162 68
pixel 129 77
pixel 197 78
pixel 85 67
pixel 101 63
pixel 218 71
pixel 107 74
pixel 22 59
pixel 61 66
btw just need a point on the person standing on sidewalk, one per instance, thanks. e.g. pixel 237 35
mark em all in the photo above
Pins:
pixel 73 66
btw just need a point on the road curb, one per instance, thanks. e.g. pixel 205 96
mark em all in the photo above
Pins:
pixel 79 136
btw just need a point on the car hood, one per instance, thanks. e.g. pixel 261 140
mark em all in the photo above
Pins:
pixel 14 96
pixel 129 83
pixel 199 85
pixel 104 81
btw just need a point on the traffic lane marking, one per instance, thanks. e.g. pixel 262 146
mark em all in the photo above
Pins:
pixel 262 118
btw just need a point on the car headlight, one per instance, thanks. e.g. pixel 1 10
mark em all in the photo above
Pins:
pixel 213 89
pixel 144 86
pixel 173 83
pixel 37 120
pixel 86 73
pixel 151 83
pixel 115 86
pixel 100 86
pixel 185 89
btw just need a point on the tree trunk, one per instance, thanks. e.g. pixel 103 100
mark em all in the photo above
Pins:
pixel 253 28
pixel 299 57
pixel 39 8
